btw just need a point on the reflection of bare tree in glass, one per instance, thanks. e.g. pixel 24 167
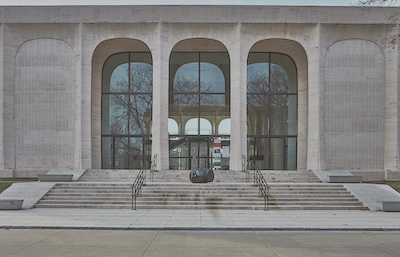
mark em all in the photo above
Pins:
pixel 268 97
pixel 136 106
pixel 131 105
pixel 186 92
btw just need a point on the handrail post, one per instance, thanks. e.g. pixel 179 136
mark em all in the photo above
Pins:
pixel 245 168
pixel 263 188
pixel 135 199
pixel 265 204
pixel 137 185
pixel 153 167
pixel 267 198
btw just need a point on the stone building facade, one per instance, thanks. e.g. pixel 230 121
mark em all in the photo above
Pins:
pixel 112 87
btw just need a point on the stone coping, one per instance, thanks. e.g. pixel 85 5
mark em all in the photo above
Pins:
pixel 391 206
pixel 345 179
pixel 11 204
pixel 55 177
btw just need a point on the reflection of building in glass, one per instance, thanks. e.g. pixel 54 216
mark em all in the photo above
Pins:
pixel 289 88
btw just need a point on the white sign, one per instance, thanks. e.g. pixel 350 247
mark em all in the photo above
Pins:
pixel 225 152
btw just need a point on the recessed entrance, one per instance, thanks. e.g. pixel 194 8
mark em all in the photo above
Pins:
pixel 189 152
pixel 199 105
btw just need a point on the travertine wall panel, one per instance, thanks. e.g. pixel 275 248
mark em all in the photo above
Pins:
pixel 354 101
pixel 44 105
pixel 1 99
pixel 14 36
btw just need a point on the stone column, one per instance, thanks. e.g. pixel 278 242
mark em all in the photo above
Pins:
pixel 83 119
pixel 392 96
pixel 10 47
pixel 1 100
pixel 314 102
pixel 238 59
pixel 160 140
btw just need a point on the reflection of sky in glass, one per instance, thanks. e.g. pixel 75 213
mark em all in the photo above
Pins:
pixel 212 78
pixel 119 77
pixel 191 127
pixel 173 128
pixel 224 127
pixel 189 71
pixel 262 80
pixel 120 74
pixel 257 68
pixel 118 113
pixel 257 77
pixel 135 106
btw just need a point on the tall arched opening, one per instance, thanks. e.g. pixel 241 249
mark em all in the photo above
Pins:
pixel 272 104
pixel 199 95
pixel 122 97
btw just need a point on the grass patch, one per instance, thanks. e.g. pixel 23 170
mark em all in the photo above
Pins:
pixel 4 185
pixel 18 179
pixel 6 182
pixel 394 184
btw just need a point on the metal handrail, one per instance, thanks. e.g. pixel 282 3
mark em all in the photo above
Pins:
pixel 245 168
pixel 153 167
pixel 137 186
pixel 263 188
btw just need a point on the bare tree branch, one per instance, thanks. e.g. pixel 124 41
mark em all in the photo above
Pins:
pixel 376 2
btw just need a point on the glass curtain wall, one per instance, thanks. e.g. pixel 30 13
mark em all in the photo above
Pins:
pixel 272 111
pixel 199 100
pixel 126 109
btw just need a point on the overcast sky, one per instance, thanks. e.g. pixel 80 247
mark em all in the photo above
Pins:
pixel 179 2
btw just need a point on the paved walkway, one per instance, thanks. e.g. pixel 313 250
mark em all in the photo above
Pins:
pixel 198 219
pixel 101 243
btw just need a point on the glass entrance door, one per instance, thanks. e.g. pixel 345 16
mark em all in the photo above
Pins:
pixel 200 153
pixel 272 153
pixel 190 152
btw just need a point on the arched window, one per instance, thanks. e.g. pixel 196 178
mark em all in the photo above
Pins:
pixel 198 127
pixel 224 127
pixel 272 111
pixel 126 110
pixel 173 128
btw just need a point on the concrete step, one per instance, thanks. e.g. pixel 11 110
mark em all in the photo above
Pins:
pixel 199 196
pixel 171 195
pixel 200 185
pixel 304 193
pixel 183 176
pixel 205 203
pixel 210 207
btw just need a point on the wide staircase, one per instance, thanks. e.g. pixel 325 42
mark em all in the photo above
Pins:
pixel 112 189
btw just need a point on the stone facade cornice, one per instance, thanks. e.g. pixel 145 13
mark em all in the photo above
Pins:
pixel 197 14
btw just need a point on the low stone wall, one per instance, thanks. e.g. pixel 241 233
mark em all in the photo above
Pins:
pixel 11 204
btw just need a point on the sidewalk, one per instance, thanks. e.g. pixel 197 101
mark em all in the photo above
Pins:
pixel 101 219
